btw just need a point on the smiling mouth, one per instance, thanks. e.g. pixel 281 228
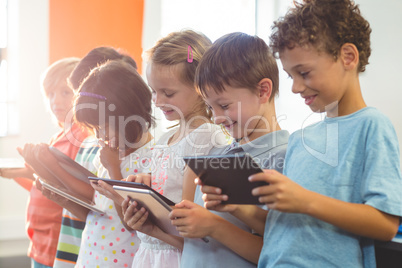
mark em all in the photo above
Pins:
pixel 309 100
pixel 229 126
pixel 167 111
pixel 58 110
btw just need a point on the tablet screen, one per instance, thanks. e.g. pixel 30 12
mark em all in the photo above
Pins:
pixel 70 196
pixel 230 173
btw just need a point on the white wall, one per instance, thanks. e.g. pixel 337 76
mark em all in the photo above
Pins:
pixel 380 84
pixel 28 57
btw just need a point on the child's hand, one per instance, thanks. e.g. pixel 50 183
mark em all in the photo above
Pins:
pixel 213 198
pixel 281 194
pixel 107 190
pixel 50 195
pixel 144 178
pixel 109 158
pixel 136 217
pixel 42 151
pixel 27 152
pixel 192 220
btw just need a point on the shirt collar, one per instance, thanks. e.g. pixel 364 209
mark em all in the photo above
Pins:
pixel 260 145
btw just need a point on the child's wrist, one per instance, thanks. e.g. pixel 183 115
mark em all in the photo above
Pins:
pixel 217 222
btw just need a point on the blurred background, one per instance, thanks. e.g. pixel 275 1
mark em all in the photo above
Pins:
pixel 35 33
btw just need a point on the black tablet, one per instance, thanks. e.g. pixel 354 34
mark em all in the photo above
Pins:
pixel 158 209
pixel 70 165
pixel 230 173
pixel 135 185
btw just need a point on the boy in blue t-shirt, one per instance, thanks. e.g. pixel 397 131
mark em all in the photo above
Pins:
pixel 342 185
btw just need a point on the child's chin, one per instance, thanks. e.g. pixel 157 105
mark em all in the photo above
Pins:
pixel 235 135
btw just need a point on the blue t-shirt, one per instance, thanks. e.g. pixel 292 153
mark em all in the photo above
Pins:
pixel 269 152
pixel 354 158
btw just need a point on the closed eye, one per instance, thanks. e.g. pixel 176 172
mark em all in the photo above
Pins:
pixel 67 92
pixel 304 74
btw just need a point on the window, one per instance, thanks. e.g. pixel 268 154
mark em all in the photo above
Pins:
pixel 217 18
pixel 8 106
pixel 210 17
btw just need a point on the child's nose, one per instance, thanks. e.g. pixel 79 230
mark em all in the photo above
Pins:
pixel 157 100
pixel 56 98
pixel 297 86
pixel 219 119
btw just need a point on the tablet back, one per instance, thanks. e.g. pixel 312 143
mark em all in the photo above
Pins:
pixel 70 165
pixel 230 173
pixel 157 208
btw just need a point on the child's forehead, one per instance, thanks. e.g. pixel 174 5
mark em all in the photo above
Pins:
pixel 227 92
pixel 160 76
pixel 301 55
pixel 56 87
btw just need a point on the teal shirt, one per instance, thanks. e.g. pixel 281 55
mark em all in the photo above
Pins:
pixel 353 158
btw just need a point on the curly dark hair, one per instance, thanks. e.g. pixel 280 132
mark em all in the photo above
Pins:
pixel 325 24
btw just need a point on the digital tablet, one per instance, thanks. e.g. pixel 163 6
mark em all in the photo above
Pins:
pixel 66 194
pixel 70 165
pixel 134 185
pixel 12 163
pixel 230 173
pixel 158 209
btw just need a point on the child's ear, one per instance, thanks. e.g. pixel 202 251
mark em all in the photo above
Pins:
pixel 349 56
pixel 264 89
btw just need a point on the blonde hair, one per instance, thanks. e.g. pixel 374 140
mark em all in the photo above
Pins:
pixel 175 49
pixel 57 73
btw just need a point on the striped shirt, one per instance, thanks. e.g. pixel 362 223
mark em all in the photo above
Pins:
pixel 71 227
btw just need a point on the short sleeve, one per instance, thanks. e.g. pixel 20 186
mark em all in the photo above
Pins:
pixel 382 185
pixel 203 139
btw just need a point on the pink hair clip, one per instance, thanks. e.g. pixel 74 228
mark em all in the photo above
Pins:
pixel 189 50
pixel 92 95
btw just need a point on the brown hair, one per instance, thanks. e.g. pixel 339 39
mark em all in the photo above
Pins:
pixel 325 24
pixel 123 93
pixel 238 60
pixel 94 58
pixel 176 48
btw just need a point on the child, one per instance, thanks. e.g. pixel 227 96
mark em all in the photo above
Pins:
pixel 238 78
pixel 170 73
pixel 341 187
pixel 72 227
pixel 110 100
pixel 43 215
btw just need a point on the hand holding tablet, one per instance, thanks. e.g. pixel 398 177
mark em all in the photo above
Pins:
pixel 229 173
